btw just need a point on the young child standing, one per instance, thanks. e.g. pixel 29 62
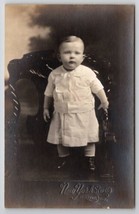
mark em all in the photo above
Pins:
pixel 70 88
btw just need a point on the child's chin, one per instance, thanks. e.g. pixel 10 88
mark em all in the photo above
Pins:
pixel 72 67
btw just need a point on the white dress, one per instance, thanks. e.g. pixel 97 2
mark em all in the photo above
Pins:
pixel 74 121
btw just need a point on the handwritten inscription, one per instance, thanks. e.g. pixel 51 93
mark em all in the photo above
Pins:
pixel 94 193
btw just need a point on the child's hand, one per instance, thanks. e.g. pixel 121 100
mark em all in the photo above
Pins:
pixel 104 106
pixel 46 115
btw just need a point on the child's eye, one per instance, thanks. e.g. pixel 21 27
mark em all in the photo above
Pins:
pixel 67 52
pixel 77 52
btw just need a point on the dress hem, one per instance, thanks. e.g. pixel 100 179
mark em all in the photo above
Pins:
pixel 96 142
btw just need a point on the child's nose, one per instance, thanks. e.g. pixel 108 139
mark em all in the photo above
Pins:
pixel 72 55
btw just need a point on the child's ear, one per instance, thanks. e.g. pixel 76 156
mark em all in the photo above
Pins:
pixel 84 56
pixel 58 56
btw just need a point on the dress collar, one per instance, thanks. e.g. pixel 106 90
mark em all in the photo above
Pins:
pixel 76 72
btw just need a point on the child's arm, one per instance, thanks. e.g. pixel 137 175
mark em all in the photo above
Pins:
pixel 103 99
pixel 47 104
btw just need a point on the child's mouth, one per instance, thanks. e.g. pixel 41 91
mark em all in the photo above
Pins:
pixel 72 62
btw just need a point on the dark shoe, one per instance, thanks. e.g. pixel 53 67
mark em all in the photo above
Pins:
pixel 62 162
pixel 91 163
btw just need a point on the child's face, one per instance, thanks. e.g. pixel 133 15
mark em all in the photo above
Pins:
pixel 71 54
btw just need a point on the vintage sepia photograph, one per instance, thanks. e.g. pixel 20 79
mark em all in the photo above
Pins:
pixel 69 106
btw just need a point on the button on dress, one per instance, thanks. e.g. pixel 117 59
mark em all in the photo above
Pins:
pixel 74 121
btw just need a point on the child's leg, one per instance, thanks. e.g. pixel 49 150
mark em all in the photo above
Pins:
pixel 63 153
pixel 90 151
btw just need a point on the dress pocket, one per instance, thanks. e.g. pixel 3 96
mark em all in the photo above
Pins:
pixel 83 94
pixel 58 95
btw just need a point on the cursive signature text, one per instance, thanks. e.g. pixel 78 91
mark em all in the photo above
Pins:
pixel 94 193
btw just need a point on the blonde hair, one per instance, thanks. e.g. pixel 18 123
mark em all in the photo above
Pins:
pixel 71 39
